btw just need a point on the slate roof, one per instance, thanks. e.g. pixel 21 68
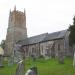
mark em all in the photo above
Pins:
pixel 43 37
pixel 33 40
pixel 38 38
pixel 55 35
pixel 62 34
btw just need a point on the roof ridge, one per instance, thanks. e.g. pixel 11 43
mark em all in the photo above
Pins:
pixel 37 35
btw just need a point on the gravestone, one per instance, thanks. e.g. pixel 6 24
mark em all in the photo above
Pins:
pixel 74 56
pixel 20 68
pixel 10 61
pixel 1 57
pixel 32 71
pixel 74 60
pixel 33 57
pixel 61 57
pixel 1 61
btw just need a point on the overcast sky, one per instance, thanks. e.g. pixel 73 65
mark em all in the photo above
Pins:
pixel 41 15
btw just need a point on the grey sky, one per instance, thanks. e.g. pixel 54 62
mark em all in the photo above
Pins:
pixel 41 15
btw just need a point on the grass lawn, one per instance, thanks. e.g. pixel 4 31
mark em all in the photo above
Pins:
pixel 7 70
pixel 45 67
pixel 52 67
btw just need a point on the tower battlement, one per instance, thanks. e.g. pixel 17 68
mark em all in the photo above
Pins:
pixel 17 11
pixel 18 18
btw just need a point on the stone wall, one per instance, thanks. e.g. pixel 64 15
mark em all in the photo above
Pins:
pixel 34 50
pixel 47 49
pixel 59 47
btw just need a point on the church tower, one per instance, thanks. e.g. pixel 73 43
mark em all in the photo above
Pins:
pixel 16 29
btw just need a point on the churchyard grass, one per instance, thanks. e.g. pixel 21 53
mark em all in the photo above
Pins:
pixel 45 67
pixel 52 67
pixel 8 70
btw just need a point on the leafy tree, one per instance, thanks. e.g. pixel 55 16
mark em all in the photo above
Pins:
pixel 72 33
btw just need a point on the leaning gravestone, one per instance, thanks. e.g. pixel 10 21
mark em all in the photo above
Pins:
pixel 20 68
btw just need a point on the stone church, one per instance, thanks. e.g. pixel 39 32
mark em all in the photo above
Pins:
pixel 46 45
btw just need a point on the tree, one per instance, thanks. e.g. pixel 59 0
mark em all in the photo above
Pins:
pixel 72 38
pixel 72 33
pixel 2 44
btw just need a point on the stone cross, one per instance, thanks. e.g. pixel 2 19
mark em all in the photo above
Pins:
pixel 20 68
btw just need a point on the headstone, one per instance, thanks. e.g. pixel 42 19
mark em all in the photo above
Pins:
pixel 20 68
pixel 1 57
pixel 74 56
pixel 10 61
pixel 74 60
pixel 32 71
pixel 1 61
pixel 33 57
pixel 61 58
